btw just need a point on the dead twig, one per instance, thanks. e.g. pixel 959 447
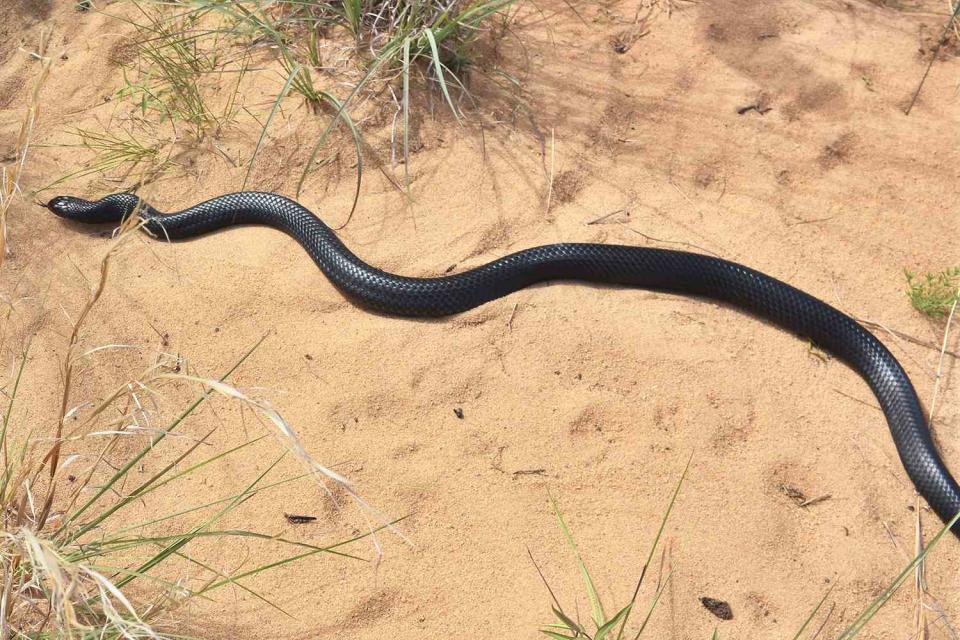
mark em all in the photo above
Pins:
pixel 676 242
pixel 924 600
pixel 824 623
pixel 905 336
pixel 933 58
pixel 817 500
pixel 553 159
pixel 603 219
pixel 943 350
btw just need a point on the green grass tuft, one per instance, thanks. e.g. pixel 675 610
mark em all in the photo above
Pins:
pixel 933 294
pixel 604 627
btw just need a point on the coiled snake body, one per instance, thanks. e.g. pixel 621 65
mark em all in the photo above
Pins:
pixel 648 268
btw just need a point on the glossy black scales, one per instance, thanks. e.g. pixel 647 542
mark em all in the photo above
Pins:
pixel 676 271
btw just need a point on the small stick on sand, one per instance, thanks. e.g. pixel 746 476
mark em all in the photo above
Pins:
pixel 933 58
pixel 602 219
pixel 553 157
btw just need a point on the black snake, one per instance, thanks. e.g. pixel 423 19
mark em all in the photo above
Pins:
pixel 649 268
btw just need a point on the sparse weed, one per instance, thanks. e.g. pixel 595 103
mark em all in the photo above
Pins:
pixel 934 293
pixel 410 44
pixel 420 43
pixel 861 621
pixel 67 573
pixel 604 626
pixel 188 60
pixel 607 627
pixel 177 70
pixel 116 155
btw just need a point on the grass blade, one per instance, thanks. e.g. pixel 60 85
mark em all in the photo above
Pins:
pixel 861 621
pixel 813 613
pixel 653 607
pixel 4 445
pixel 612 622
pixel 125 469
pixel 406 114
pixel 438 69
pixel 279 563
pixel 266 125
pixel 595 605
pixel 656 540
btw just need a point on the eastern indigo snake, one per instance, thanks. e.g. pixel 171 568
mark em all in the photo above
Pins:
pixel 648 268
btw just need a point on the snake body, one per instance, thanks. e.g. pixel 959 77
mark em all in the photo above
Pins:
pixel 648 268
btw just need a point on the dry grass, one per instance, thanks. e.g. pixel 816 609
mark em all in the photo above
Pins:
pixel 11 173
pixel 925 601
pixel 187 65
pixel 68 548
pixel 66 556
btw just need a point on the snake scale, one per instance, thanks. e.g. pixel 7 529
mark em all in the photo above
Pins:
pixel 644 267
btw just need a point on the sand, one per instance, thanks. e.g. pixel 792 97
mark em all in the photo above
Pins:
pixel 597 396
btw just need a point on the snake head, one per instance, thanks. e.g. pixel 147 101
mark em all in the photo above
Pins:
pixel 69 207
pixel 113 208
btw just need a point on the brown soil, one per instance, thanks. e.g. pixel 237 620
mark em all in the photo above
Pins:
pixel 595 395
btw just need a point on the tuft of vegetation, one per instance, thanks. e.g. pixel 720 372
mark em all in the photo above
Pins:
pixel 188 62
pixel 116 155
pixel 177 70
pixel 871 610
pixel 934 294
pixel 69 573
pixel 409 44
pixel 607 627
pixel 604 626
pixel 71 543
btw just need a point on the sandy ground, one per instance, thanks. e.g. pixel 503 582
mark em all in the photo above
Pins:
pixel 597 396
